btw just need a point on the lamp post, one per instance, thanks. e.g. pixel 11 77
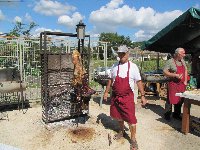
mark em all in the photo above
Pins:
pixel 80 29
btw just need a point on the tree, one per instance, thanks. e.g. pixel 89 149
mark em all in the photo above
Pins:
pixel 114 40
pixel 22 29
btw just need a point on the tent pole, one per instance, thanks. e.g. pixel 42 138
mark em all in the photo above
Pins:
pixel 141 65
pixel 158 61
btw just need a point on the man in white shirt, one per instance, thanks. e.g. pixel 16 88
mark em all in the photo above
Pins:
pixel 123 76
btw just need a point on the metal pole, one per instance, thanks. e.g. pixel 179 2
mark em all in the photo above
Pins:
pixel 20 58
pixel 21 63
pixel 45 76
pixel 158 61
pixel 106 49
pixel 141 65
pixel 89 57
pixel 79 45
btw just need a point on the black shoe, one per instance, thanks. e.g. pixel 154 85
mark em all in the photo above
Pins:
pixel 177 117
pixel 167 117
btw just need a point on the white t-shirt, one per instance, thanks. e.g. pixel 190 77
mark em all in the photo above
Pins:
pixel 134 74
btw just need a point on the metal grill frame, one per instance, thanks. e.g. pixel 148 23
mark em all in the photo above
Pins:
pixel 76 108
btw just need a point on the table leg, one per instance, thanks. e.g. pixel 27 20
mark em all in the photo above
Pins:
pixel 157 89
pixel 186 116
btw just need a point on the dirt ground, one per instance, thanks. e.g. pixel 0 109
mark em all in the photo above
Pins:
pixel 27 131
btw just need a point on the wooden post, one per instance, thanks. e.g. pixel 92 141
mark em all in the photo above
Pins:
pixel 186 116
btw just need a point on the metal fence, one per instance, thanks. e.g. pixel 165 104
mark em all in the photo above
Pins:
pixel 24 54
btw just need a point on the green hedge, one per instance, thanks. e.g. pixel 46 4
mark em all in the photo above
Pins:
pixel 147 66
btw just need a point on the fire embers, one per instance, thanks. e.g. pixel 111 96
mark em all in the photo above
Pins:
pixel 55 78
pixel 64 106
pixel 57 107
pixel 59 90
pixel 57 111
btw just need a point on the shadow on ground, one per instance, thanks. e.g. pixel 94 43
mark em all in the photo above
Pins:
pixel 15 106
pixel 159 110
pixel 111 124
pixel 175 124
pixel 97 100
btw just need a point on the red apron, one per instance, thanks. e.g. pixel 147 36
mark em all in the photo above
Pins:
pixel 177 86
pixel 122 101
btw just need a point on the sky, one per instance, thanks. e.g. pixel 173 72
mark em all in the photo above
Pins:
pixel 138 19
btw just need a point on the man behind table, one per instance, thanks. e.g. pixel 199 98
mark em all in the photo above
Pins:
pixel 175 68
pixel 123 76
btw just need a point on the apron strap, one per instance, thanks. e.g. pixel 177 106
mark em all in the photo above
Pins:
pixel 177 65
pixel 127 71
pixel 118 69
pixel 183 67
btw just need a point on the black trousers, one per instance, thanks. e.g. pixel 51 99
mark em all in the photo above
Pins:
pixel 177 107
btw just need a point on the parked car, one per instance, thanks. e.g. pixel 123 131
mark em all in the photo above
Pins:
pixel 102 71
pixel 101 75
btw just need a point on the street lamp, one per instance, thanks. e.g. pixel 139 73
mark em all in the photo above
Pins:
pixel 80 30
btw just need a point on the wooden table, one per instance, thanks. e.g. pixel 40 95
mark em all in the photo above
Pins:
pixel 188 100
pixel 160 87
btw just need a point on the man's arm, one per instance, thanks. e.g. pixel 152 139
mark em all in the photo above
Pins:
pixel 171 75
pixel 168 74
pixel 105 96
pixel 167 67
pixel 186 75
pixel 186 72
pixel 141 89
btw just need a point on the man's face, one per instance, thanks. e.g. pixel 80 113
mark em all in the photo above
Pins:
pixel 123 56
pixel 181 53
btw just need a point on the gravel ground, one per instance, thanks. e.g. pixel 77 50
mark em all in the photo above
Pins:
pixel 28 132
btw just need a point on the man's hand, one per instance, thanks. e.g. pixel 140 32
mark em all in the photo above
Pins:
pixel 105 96
pixel 179 76
pixel 185 82
pixel 141 89
pixel 143 101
